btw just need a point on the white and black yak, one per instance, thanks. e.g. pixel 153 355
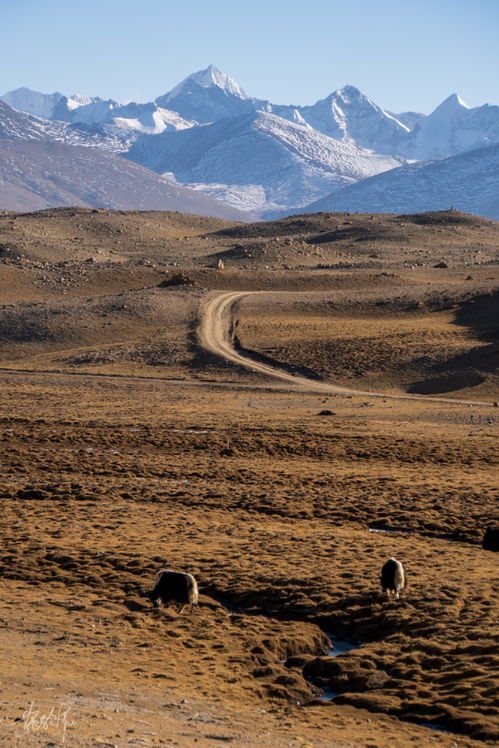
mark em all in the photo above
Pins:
pixel 174 587
pixel 393 578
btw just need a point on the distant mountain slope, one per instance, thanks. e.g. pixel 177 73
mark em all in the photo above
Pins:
pixel 452 128
pixel 32 102
pixel 347 114
pixel 96 116
pixel 16 125
pixel 36 175
pixel 468 182
pixel 258 160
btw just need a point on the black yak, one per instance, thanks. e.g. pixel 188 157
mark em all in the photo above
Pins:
pixel 393 577
pixel 490 540
pixel 174 587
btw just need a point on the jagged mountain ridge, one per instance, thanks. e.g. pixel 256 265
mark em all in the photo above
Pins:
pixel 284 169
pixel 346 114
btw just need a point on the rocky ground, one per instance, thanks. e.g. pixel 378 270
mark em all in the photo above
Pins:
pixel 127 448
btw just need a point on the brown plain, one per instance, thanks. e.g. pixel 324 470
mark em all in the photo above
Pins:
pixel 127 447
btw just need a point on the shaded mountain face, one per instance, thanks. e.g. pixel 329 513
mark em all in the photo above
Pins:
pixel 468 182
pixel 36 175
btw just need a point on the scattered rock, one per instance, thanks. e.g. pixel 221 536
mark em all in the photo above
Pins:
pixel 178 279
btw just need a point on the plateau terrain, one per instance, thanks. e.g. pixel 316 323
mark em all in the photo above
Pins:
pixel 277 408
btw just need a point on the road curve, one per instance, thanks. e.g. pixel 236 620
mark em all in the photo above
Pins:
pixel 216 336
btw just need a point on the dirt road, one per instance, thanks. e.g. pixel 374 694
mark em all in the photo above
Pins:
pixel 216 333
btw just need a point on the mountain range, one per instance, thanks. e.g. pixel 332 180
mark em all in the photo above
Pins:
pixel 46 164
pixel 209 137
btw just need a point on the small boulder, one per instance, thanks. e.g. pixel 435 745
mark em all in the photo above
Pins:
pixel 178 279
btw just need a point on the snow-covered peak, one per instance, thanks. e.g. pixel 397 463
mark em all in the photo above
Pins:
pixel 450 105
pixel 453 127
pixel 209 78
pixel 348 94
pixel 32 102
pixel 349 115
pixel 207 96
pixel 77 100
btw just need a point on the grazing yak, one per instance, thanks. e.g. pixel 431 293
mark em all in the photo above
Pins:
pixel 490 540
pixel 174 587
pixel 393 579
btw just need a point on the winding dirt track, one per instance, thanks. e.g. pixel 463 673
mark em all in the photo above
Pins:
pixel 216 336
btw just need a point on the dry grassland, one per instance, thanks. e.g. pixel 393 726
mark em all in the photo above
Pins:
pixel 126 447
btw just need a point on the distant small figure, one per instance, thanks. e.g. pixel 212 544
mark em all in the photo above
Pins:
pixel 174 587
pixel 221 265
pixel 491 539
pixel 393 578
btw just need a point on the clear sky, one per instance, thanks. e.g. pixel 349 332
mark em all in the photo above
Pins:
pixel 409 54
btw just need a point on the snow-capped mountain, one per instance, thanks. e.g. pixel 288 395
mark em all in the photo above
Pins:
pixel 209 134
pixel 87 109
pixel 453 127
pixel 38 170
pixel 17 125
pixel 135 117
pixel 95 112
pixel 347 114
pixel 207 96
pixel 258 160
pixel 32 102
pixel 468 182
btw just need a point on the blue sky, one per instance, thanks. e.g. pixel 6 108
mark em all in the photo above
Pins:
pixel 404 55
